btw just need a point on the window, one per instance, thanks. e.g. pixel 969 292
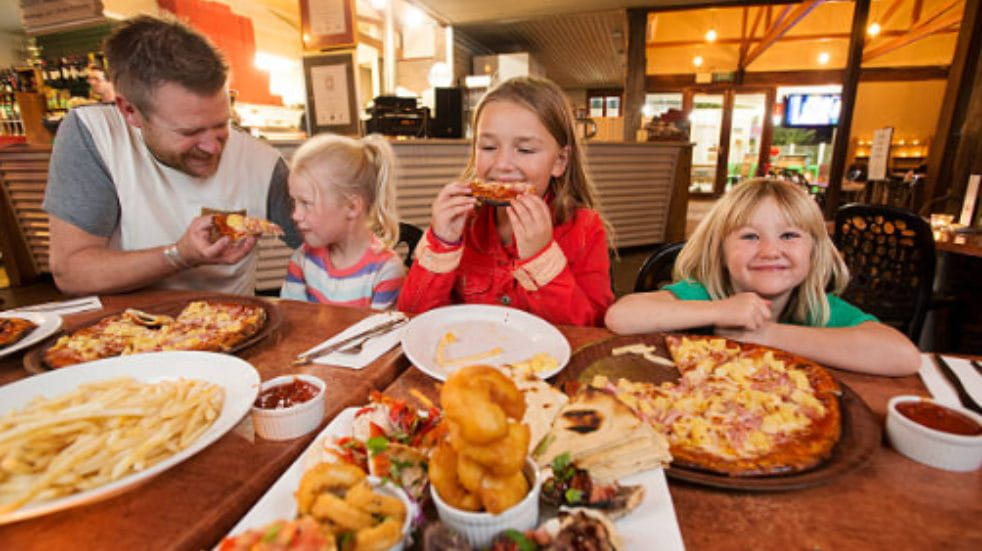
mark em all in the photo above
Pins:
pixel 604 103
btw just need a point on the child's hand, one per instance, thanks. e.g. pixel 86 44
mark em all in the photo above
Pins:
pixel 531 223
pixel 746 311
pixel 450 210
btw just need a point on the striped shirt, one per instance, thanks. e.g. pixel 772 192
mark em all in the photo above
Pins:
pixel 374 281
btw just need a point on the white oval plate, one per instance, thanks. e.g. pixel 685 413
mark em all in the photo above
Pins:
pixel 479 328
pixel 237 376
pixel 47 324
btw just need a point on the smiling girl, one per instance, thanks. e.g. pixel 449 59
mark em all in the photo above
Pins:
pixel 546 251
pixel 344 205
pixel 757 269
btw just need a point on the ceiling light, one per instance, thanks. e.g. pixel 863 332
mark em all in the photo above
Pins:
pixel 823 58
pixel 711 35
pixel 412 17
pixel 697 61
pixel 874 29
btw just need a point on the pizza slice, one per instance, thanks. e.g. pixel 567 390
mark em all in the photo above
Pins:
pixel 498 193
pixel 237 226
pixel 14 329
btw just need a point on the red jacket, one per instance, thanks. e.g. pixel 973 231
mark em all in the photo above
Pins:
pixel 568 282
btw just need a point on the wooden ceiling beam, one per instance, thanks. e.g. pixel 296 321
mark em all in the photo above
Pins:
pixel 915 12
pixel 889 13
pixel 924 30
pixel 745 44
pixel 782 26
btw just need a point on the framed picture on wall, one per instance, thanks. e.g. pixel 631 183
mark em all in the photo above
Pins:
pixel 327 24
pixel 332 98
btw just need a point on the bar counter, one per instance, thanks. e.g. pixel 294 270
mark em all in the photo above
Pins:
pixel 891 502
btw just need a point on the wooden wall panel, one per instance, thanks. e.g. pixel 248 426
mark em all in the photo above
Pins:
pixel 23 174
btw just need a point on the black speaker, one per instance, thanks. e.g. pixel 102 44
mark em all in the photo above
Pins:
pixel 449 119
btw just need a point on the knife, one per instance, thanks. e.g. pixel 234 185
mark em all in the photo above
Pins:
pixel 963 396
pixel 307 357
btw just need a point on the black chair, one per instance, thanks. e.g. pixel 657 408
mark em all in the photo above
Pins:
pixel 409 236
pixel 656 272
pixel 890 255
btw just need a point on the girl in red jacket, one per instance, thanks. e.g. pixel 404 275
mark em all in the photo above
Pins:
pixel 546 251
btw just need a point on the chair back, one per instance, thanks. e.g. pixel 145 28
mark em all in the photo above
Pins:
pixel 409 236
pixel 891 258
pixel 656 272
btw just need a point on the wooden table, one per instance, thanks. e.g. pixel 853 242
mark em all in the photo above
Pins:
pixel 890 503
pixel 192 505
pixel 968 244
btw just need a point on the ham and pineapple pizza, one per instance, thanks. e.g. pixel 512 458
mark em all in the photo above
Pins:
pixel 499 193
pixel 210 325
pixel 237 226
pixel 14 329
pixel 739 409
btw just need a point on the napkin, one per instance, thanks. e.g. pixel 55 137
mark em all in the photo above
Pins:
pixel 941 389
pixel 373 348
pixel 83 304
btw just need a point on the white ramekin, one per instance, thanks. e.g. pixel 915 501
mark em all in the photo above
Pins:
pixel 943 450
pixel 294 421
pixel 480 528
pixel 386 487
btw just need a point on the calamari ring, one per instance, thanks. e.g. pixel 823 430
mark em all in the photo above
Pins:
pixel 443 476
pixel 499 493
pixel 330 507
pixel 501 457
pixel 325 477
pixel 480 398
pixel 361 496
pixel 380 537
pixel 470 473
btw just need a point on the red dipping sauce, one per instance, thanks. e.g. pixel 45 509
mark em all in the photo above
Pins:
pixel 940 418
pixel 282 396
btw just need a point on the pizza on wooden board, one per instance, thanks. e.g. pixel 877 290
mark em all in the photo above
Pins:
pixel 739 409
pixel 210 325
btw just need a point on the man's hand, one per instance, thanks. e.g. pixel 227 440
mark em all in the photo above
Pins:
pixel 743 311
pixel 450 210
pixel 531 223
pixel 196 248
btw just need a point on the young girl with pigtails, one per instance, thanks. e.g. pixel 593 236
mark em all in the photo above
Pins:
pixel 344 206
pixel 545 252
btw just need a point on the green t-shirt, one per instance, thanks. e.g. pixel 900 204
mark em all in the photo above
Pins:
pixel 841 313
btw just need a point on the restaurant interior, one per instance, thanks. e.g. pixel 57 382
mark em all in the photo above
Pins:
pixel 874 107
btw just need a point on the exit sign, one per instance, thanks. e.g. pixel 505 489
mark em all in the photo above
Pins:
pixel 724 77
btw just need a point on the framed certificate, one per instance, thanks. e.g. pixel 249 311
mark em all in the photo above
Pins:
pixel 332 99
pixel 327 24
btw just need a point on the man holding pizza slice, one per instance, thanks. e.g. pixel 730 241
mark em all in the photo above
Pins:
pixel 128 181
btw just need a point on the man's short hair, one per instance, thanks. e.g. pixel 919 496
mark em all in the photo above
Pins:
pixel 145 52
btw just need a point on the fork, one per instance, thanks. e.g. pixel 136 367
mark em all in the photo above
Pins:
pixel 355 348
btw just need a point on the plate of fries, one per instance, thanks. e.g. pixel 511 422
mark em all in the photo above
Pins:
pixel 445 339
pixel 91 431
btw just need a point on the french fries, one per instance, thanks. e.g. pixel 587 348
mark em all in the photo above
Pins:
pixel 99 433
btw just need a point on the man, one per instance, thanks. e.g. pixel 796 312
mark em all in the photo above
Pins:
pixel 128 181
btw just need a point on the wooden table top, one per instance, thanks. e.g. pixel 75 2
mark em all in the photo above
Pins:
pixel 969 244
pixel 193 505
pixel 890 503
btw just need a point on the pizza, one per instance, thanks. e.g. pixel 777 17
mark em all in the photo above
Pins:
pixel 209 325
pixel 14 329
pixel 739 409
pixel 499 193
pixel 237 226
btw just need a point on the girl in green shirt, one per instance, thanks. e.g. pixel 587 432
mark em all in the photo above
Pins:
pixel 756 269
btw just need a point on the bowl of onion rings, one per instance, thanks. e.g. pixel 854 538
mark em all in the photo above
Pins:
pixel 480 528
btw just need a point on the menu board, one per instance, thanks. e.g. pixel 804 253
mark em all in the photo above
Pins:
pixel 40 14
pixel 879 155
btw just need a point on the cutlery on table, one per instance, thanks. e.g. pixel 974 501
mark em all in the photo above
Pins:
pixel 963 396
pixel 357 340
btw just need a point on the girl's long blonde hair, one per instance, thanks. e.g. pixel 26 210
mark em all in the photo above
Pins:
pixel 702 259
pixel 355 167
pixel 574 188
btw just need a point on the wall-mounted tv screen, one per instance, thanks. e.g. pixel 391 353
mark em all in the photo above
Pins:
pixel 811 110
